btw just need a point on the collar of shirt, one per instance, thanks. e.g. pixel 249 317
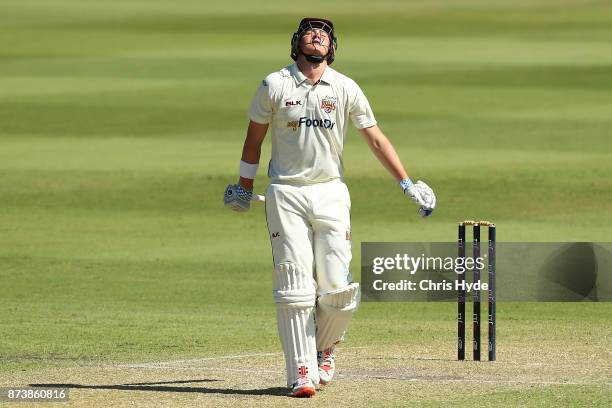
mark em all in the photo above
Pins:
pixel 327 77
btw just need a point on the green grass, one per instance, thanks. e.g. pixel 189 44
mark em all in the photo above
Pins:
pixel 121 123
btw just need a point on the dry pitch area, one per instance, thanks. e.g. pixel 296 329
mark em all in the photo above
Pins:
pixel 368 376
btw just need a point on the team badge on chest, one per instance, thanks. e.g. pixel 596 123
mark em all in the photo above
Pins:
pixel 328 104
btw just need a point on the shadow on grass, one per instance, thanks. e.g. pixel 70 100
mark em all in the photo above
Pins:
pixel 163 387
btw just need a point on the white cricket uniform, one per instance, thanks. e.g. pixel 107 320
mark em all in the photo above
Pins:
pixel 307 203
pixel 308 123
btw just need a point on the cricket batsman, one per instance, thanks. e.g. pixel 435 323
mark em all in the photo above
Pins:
pixel 308 106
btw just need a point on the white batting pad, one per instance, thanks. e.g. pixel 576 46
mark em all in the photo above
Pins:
pixel 294 294
pixel 334 312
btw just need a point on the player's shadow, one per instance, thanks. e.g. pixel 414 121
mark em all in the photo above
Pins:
pixel 165 387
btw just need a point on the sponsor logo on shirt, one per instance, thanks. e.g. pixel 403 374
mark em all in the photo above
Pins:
pixel 320 123
pixel 293 103
pixel 328 104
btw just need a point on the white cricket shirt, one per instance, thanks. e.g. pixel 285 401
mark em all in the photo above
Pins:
pixel 308 123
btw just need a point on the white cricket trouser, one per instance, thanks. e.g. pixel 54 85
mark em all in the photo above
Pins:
pixel 311 247
pixel 311 226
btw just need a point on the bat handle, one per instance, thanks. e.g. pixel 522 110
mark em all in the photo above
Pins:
pixel 258 197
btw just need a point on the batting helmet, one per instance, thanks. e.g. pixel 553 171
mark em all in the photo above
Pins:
pixel 308 24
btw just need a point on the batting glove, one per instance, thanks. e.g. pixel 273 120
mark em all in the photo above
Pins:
pixel 421 194
pixel 236 198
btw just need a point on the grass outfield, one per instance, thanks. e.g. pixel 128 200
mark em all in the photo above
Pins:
pixel 121 122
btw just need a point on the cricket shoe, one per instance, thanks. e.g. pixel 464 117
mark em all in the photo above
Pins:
pixel 327 365
pixel 302 388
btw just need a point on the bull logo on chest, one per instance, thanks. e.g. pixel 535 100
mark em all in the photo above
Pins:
pixel 328 105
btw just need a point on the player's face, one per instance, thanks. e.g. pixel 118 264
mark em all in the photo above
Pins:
pixel 315 41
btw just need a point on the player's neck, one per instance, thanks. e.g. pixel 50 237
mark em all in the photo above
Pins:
pixel 311 70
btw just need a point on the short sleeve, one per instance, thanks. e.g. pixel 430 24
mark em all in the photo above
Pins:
pixel 360 111
pixel 261 106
